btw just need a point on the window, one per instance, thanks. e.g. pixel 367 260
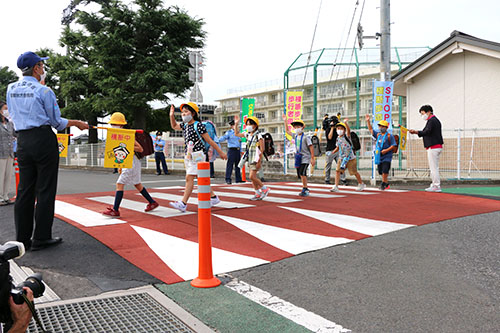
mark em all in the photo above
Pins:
pixel 272 114
pixel 259 115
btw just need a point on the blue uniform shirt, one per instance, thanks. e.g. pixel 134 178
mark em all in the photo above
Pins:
pixel 159 145
pixel 33 105
pixel 389 142
pixel 232 140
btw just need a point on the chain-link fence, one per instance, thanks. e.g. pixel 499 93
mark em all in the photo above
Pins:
pixel 467 154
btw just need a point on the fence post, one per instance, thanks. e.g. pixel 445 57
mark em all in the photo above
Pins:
pixel 206 278
pixel 458 154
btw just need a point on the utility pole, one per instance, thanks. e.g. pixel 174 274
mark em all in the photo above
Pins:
pixel 385 40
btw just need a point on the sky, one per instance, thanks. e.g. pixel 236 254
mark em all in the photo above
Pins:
pixel 250 42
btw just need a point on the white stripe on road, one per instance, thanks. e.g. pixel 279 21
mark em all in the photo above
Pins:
pixel 139 207
pixel 85 217
pixel 182 255
pixel 286 309
pixel 349 187
pixel 358 224
pixel 314 190
pixel 294 193
pixel 291 241
pixel 248 196
pixel 194 201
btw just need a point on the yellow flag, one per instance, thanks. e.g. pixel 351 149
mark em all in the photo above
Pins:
pixel 62 142
pixel 119 151
pixel 403 136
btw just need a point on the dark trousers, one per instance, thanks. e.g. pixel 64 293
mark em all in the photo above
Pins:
pixel 38 158
pixel 160 157
pixel 233 159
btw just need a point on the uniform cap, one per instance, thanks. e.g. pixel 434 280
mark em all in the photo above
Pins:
pixel 192 106
pixel 254 119
pixel 383 123
pixel 117 118
pixel 295 122
pixel 28 60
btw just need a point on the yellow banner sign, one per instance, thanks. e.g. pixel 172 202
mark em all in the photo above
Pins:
pixel 119 151
pixel 403 136
pixel 293 107
pixel 62 142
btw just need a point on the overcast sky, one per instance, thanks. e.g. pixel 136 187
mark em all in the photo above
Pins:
pixel 255 41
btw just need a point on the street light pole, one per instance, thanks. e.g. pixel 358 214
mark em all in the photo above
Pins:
pixel 385 40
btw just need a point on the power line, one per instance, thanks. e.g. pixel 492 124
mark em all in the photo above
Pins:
pixel 312 43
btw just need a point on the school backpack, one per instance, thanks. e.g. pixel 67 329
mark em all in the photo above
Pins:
pixel 268 145
pixel 144 139
pixel 356 145
pixel 212 133
pixel 316 145
pixel 396 138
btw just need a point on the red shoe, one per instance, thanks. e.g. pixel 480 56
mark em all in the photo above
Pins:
pixel 110 212
pixel 151 206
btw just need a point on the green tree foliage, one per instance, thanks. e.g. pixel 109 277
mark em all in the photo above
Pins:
pixel 122 57
pixel 6 76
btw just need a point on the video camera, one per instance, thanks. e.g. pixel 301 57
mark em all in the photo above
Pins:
pixel 327 121
pixel 14 250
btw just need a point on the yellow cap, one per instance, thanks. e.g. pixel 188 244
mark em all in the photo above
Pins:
pixel 298 122
pixel 341 124
pixel 254 119
pixel 192 105
pixel 117 118
pixel 383 123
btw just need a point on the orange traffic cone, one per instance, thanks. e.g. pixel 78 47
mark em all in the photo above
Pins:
pixel 206 278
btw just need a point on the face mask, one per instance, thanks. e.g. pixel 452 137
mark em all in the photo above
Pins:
pixel 425 117
pixel 187 119
pixel 383 129
pixel 340 132
pixel 6 113
pixel 115 126
pixel 249 128
pixel 43 75
pixel 298 131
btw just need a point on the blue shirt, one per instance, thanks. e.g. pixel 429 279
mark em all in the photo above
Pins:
pixel 159 145
pixel 389 141
pixel 232 140
pixel 33 105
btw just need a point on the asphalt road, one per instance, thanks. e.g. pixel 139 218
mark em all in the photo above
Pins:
pixel 441 277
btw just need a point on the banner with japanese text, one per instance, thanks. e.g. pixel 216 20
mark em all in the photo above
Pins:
pixel 247 107
pixel 382 102
pixel 62 143
pixel 403 138
pixel 293 107
pixel 119 150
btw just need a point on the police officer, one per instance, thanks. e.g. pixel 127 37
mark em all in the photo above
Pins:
pixel 233 153
pixel 159 145
pixel 34 111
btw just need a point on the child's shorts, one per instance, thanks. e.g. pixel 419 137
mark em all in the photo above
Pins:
pixel 351 166
pixel 384 167
pixel 302 170
pixel 131 176
pixel 191 166
pixel 253 166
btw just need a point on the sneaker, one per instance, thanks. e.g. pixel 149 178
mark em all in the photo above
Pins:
pixel 151 206
pixel 335 189
pixel 304 193
pixel 384 186
pixel 110 212
pixel 257 196
pixel 361 187
pixel 264 193
pixel 178 205
pixel 433 189
pixel 214 201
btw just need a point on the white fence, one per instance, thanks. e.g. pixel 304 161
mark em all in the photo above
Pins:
pixel 467 154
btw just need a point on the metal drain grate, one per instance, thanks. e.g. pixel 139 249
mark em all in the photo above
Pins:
pixel 129 313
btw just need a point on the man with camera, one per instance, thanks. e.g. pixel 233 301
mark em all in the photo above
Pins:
pixel 331 139
pixel 20 313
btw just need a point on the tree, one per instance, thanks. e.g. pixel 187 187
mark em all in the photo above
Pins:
pixel 6 76
pixel 125 57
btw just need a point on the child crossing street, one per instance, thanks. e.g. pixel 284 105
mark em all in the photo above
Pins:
pixel 304 152
pixel 130 176
pixel 195 134
pixel 347 159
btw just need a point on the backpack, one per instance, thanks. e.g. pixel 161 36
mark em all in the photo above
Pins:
pixel 354 141
pixel 144 139
pixel 212 133
pixel 316 145
pixel 268 145
pixel 396 138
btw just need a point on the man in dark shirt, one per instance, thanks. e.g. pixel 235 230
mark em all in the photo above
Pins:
pixel 331 139
pixel 433 142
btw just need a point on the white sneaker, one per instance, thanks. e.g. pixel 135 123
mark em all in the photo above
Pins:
pixel 264 193
pixel 178 205
pixel 214 201
pixel 335 189
pixel 257 196
pixel 361 187
pixel 433 189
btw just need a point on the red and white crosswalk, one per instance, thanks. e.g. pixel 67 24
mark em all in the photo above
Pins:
pixel 247 233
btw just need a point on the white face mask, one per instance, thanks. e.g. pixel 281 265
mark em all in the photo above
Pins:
pixel 43 75
pixel 6 113
pixel 298 131
pixel 425 117
pixel 249 128
pixel 340 132
pixel 187 118
pixel 116 126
